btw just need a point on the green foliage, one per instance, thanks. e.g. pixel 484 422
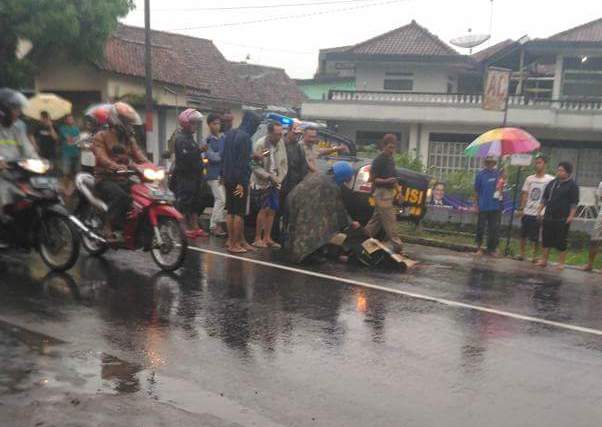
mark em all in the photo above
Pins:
pixel 460 184
pixel 77 28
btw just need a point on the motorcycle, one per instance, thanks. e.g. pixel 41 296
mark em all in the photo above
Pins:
pixel 152 224
pixel 38 219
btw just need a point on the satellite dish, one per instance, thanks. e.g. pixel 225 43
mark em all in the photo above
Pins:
pixel 470 40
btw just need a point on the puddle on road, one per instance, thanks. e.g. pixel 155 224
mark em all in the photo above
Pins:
pixel 29 361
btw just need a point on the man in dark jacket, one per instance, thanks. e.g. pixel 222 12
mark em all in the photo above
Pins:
pixel 560 200
pixel 236 172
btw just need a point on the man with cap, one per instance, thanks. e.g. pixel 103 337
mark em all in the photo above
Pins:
pixel 489 204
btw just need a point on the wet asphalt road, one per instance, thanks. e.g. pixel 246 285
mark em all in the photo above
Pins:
pixel 230 342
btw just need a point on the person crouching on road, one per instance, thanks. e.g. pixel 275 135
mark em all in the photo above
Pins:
pixel 236 173
pixel 383 175
pixel 268 174
pixel 188 170
pixel 489 206
pixel 560 200
pixel 531 196
pixel 215 148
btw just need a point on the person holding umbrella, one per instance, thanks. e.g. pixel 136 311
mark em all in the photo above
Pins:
pixel 488 206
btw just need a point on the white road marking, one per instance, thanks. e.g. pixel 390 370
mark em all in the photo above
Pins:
pixel 415 295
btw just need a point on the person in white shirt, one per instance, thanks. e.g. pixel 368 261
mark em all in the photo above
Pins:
pixel 596 239
pixel 531 195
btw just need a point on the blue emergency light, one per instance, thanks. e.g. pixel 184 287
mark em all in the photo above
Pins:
pixel 283 120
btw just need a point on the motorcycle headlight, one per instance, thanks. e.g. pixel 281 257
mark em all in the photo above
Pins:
pixel 154 174
pixel 35 165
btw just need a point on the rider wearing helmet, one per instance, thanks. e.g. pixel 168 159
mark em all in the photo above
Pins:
pixel 14 144
pixel 114 148
pixel 188 170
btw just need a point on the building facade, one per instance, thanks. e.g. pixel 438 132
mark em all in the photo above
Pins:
pixel 411 83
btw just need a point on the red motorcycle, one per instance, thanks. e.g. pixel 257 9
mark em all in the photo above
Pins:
pixel 152 224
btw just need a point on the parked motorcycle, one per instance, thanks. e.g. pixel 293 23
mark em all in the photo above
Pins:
pixel 38 218
pixel 152 224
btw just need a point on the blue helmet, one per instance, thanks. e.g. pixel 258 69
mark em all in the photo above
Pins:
pixel 342 172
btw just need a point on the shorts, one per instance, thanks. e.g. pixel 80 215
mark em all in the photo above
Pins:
pixel 555 234
pixel 236 205
pixel 597 233
pixel 70 165
pixel 530 228
pixel 270 199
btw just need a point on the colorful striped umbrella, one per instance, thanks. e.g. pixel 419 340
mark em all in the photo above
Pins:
pixel 501 142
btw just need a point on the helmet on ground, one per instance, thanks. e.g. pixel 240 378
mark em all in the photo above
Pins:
pixel 10 100
pixel 342 172
pixel 98 114
pixel 123 115
pixel 189 116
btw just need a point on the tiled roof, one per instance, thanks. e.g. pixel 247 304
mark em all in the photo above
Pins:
pixel 177 59
pixel 485 54
pixel 409 40
pixel 589 32
pixel 267 85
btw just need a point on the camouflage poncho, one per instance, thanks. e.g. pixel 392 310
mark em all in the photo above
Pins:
pixel 316 213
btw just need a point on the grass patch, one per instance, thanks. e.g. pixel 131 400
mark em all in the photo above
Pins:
pixel 576 255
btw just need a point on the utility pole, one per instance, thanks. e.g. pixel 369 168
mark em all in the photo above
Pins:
pixel 148 70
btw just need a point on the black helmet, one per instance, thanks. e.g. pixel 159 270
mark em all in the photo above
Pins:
pixel 10 100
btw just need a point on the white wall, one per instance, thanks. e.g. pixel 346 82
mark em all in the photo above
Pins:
pixel 427 78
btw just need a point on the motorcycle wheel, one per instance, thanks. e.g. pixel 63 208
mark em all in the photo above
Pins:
pixel 94 222
pixel 170 255
pixel 58 243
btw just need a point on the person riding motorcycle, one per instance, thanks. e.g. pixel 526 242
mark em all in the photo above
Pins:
pixel 14 144
pixel 114 149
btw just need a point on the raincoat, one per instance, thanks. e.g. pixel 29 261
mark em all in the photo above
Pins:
pixel 316 214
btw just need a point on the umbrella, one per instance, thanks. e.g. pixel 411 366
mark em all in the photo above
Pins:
pixel 501 142
pixel 56 106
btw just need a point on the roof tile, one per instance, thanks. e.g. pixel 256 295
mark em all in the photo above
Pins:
pixel 409 40
pixel 588 32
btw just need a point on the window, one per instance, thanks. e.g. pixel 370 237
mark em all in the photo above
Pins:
pixel 363 137
pixel 582 77
pixel 446 154
pixel 399 81
pixel 587 162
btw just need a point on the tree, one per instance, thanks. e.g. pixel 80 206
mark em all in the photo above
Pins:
pixel 78 28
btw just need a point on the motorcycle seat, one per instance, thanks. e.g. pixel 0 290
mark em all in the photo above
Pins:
pixel 85 182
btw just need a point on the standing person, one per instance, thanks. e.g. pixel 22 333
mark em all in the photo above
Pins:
pixel 529 206
pixel 560 200
pixel 383 175
pixel 296 166
pixel 69 134
pixel 236 173
pixel 188 170
pixel 312 151
pixel 489 206
pixel 46 138
pixel 268 174
pixel 215 149
pixel 226 122
pixel 596 239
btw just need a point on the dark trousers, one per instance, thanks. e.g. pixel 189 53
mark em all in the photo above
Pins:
pixel 489 221
pixel 116 194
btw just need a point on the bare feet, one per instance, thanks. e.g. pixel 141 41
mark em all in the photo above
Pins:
pixel 589 268
pixel 273 244
pixel 480 253
pixel 560 268
pixel 542 264
pixel 235 249
pixel 260 244
pixel 248 247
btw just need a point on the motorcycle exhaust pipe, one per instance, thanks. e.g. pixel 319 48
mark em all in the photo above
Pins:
pixel 82 227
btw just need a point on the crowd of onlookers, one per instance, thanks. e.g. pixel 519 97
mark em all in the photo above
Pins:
pixel 548 208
